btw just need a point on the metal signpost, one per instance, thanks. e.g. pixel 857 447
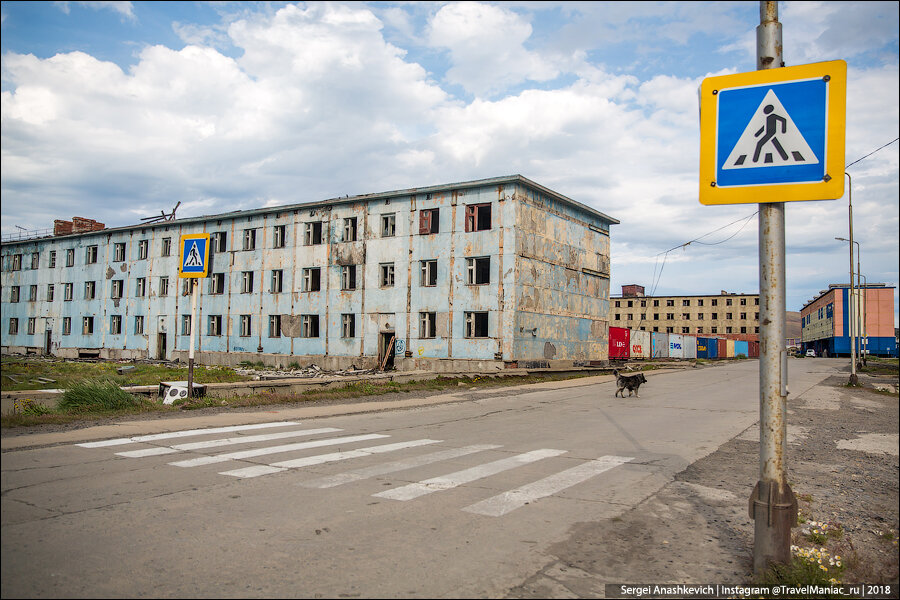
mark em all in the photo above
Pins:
pixel 193 264
pixel 768 137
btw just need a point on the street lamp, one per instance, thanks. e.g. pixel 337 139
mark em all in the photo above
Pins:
pixel 854 380
pixel 864 330
pixel 854 313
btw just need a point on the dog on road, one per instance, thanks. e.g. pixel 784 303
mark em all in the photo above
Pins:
pixel 632 383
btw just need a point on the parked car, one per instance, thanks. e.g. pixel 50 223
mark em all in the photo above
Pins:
pixel 811 352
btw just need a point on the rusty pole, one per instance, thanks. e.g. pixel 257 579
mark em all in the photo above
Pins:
pixel 195 287
pixel 854 380
pixel 772 503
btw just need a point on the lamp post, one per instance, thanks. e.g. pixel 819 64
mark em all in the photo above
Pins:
pixel 854 312
pixel 854 380
pixel 863 330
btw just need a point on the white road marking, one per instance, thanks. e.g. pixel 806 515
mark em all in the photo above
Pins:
pixel 508 501
pixel 187 433
pixel 244 439
pixel 414 490
pixel 208 460
pixel 391 467
pixel 256 471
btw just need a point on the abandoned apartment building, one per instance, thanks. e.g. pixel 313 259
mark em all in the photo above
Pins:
pixel 485 274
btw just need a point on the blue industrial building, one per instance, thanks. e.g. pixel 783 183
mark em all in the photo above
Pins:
pixel 474 275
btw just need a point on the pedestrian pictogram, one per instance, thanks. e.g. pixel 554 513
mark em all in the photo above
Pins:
pixel 770 139
pixel 773 135
pixel 194 255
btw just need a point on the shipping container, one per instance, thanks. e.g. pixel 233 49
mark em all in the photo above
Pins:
pixel 713 348
pixel 741 347
pixel 618 343
pixel 754 349
pixel 703 347
pixel 676 345
pixel 660 344
pixel 729 348
pixel 640 344
pixel 721 348
pixel 690 346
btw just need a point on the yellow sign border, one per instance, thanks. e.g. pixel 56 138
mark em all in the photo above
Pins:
pixel 836 124
pixel 193 236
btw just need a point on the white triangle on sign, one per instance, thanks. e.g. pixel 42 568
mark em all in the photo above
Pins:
pixel 770 140
pixel 193 258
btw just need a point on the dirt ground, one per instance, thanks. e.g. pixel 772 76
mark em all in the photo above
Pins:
pixel 841 463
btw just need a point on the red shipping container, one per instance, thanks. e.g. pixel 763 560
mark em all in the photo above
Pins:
pixel 619 342
pixel 722 347
pixel 754 349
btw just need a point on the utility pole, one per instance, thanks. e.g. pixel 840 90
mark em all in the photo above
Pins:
pixel 854 380
pixel 772 503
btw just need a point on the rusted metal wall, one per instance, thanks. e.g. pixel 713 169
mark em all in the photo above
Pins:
pixel 562 274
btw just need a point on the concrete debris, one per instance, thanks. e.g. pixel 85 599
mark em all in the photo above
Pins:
pixel 310 372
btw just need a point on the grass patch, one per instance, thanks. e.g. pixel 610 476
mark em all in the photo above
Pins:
pixel 96 396
pixel 41 373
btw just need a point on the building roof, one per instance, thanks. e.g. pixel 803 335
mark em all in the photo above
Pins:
pixel 508 179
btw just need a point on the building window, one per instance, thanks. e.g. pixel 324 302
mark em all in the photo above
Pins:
pixel 618 317
pixel 32 293
pixel 35 260
pixel 247 282
pixel 476 324
pixel 249 239
pixel 685 302
pixel 478 270
pixel 349 234
pixel 50 291
pixel 715 316
pixel 245 326
pixel 143 249
pixel 187 286
pixel 729 317
pixel 743 302
pixel 756 316
pixel 217 284
pixel 68 291
pixel 728 302
pixel 744 316
pixel 313 234
pixel 139 325
pixel 16 262
pixel 686 316
pixel 714 302
pixel 670 316
pixel 166 249
pixel 388 225
pixel 428 221
pixel 618 304
pixel 699 330
pixel 274 326
pixel 118 288
pixel 670 330
pixel 214 326
pixel 185 324
pixel 70 257
pixel 279 237
pixel 53 259
pixel 700 302
pixel 700 316
pixel 14 326
pixel 312 279
pixel 743 330
pixel 217 241
pixel 90 290
pixel 163 286
pixel 90 255
pixel 728 330
pixel 428 324
pixel 756 301
pixel 656 303
pixel 140 289
pixel 87 326
pixel 348 277
pixel 387 275
pixel 67 325
pixel 428 273
pixel 115 324
pixel 629 317
pixel 656 316
pixel 32 324
pixel 670 303
pixel 309 326
pixel 348 326
pixel 685 330
pixel 119 252
pixel 478 217
pixel 277 281
pixel 14 293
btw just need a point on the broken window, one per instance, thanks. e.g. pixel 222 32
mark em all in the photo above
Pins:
pixel 118 253
pixel 428 273
pixel 143 249
pixel 249 239
pixel 215 325
pixel 388 225
pixel 478 217
pixel 309 326
pixel 274 326
pixel 245 326
pixel 478 270
pixel 312 279
pixel 247 282
pixel 427 324
pixel 349 230
pixel 348 277
pixel 279 239
pixel 87 326
pixel 387 275
pixel 428 221
pixel 216 284
pixel 277 281
pixel 217 241
pixel 348 326
pixel 476 324
pixel 313 235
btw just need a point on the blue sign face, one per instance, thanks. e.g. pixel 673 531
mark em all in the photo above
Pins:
pixel 193 255
pixel 772 134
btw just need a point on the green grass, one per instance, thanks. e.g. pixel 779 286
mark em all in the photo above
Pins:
pixel 96 396
pixel 23 374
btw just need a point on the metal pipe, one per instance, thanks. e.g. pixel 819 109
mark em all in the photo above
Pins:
pixel 854 380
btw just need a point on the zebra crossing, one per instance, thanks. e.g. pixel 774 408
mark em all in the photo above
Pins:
pixel 495 506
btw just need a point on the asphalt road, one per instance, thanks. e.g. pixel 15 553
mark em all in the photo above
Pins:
pixel 459 497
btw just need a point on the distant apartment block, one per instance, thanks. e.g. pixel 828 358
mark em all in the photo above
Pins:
pixel 825 321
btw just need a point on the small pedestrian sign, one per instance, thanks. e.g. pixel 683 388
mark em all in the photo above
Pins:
pixel 774 135
pixel 194 255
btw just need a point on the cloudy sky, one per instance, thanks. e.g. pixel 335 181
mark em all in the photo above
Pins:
pixel 119 110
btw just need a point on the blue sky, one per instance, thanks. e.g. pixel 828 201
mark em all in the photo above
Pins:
pixel 118 110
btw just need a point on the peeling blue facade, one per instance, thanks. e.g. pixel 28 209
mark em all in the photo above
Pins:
pixel 470 275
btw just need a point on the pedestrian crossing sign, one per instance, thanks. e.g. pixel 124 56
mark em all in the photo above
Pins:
pixel 774 135
pixel 194 261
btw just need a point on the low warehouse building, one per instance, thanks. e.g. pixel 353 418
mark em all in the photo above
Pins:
pixel 475 275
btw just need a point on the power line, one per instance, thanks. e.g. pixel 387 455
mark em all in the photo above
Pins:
pixel 871 153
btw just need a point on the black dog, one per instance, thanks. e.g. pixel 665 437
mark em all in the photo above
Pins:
pixel 632 383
